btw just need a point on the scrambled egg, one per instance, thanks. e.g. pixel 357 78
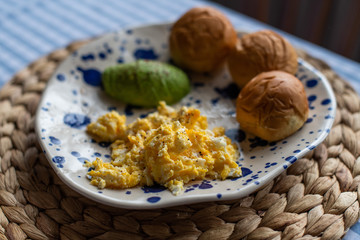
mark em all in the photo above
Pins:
pixel 168 147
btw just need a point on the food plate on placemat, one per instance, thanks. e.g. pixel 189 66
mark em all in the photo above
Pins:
pixel 74 97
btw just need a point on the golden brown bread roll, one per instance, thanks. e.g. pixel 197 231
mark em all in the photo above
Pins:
pixel 272 106
pixel 201 39
pixel 258 52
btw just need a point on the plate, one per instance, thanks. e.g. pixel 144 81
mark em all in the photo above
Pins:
pixel 74 97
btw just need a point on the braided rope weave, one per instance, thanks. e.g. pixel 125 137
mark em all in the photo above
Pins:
pixel 316 198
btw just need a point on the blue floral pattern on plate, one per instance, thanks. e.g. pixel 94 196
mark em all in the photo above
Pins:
pixel 74 98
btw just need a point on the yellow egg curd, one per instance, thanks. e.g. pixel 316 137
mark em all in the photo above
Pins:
pixel 168 147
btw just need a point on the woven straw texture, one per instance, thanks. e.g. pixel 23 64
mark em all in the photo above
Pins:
pixel 316 198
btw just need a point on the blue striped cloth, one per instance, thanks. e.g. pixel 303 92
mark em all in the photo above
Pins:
pixel 30 29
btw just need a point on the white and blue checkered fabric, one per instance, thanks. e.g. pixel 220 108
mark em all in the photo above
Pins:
pixel 30 29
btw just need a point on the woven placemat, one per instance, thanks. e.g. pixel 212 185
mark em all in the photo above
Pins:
pixel 317 197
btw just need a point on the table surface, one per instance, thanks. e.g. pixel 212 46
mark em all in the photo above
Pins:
pixel 31 29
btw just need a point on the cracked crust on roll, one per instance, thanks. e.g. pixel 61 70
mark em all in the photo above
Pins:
pixel 201 39
pixel 272 106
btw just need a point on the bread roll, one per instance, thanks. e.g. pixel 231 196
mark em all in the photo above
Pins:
pixel 272 106
pixel 258 52
pixel 201 39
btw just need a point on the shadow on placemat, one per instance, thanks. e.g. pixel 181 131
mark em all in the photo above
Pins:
pixel 316 197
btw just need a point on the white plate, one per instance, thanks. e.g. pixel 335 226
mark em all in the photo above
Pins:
pixel 74 97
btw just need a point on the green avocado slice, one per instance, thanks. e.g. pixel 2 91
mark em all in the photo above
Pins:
pixel 144 83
